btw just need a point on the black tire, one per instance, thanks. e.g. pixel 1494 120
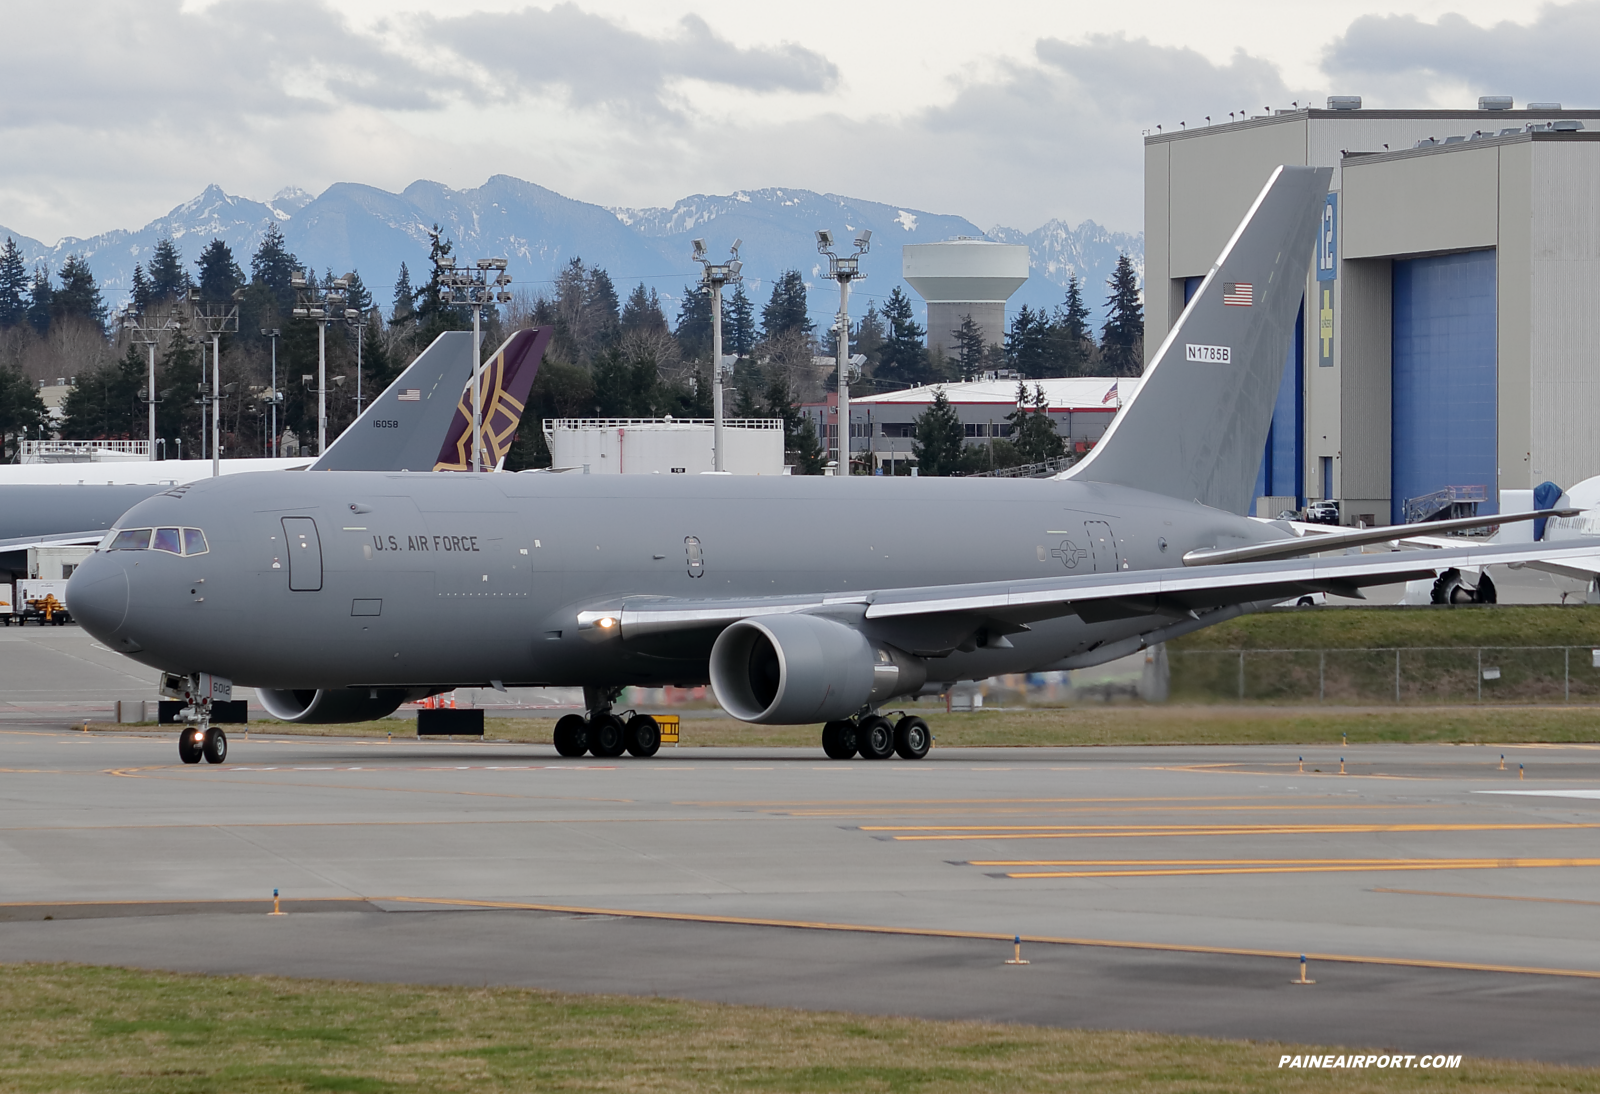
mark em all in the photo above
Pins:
pixel 912 738
pixel 839 740
pixel 216 746
pixel 608 738
pixel 189 749
pixel 875 738
pixel 642 738
pixel 572 735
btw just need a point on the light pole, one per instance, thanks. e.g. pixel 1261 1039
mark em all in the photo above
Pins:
pixel 146 331
pixel 844 270
pixel 273 334
pixel 714 277
pixel 322 305
pixel 477 292
pixel 216 321
pixel 357 320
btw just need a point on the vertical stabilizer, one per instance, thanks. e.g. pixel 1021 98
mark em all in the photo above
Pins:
pixel 507 379
pixel 1197 426
pixel 401 429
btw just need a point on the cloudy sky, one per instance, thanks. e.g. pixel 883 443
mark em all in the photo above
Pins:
pixel 1005 111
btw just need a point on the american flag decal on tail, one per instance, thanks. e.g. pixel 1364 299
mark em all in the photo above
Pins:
pixel 1238 294
pixel 411 395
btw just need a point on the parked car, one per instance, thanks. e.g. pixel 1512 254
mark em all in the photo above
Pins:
pixel 1322 512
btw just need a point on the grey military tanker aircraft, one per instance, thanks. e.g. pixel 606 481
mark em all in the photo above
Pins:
pixel 800 600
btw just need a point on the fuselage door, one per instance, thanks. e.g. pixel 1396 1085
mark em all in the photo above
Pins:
pixel 305 554
pixel 1102 547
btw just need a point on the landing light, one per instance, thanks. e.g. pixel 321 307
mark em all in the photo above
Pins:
pixel 607 623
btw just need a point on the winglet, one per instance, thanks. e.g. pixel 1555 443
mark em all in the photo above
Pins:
pixel 507 379
pixel 400 429
pixel 1197 425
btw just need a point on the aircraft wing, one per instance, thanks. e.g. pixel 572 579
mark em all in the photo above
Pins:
pixel 1171 595
pixel 66 539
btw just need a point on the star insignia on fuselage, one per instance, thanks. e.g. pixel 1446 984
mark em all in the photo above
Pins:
pixel 1069 553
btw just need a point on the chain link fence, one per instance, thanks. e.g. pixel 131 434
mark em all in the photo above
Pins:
pixel 1420 675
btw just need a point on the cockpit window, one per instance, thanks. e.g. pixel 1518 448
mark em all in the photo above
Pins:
pixel 131 539
pixel 177 541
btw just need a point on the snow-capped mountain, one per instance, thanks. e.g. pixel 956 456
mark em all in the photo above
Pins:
pixel 353 226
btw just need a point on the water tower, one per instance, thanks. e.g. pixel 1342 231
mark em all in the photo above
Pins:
pixel 962 277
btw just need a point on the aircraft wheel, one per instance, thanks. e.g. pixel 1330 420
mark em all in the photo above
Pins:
pixel 215 746
pixel 189 749
pixel 839 740
pixel 643 736
pixel 572 735
pixel 875 738
pixel 607 736
pixel 912 738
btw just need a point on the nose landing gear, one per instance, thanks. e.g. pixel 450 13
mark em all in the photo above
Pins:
pixel 874 737
pixel 198 738
pixel 604 734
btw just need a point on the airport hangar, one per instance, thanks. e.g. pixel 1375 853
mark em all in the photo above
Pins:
pixel 1447 345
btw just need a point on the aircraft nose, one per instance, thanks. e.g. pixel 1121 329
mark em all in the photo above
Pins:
pixel 97 595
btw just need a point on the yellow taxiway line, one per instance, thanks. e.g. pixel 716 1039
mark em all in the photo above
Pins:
pixel 1494 896
pixel 1312 867
pixel 1106 831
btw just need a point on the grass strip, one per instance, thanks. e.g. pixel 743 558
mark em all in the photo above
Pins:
pixel 92 1029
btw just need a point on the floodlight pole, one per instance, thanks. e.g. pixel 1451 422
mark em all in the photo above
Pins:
pixel 273 334
pixel 844 270
pixel 319 303
pixel 216 322
pixel 714 276
pixel 141 329
pixel 477 292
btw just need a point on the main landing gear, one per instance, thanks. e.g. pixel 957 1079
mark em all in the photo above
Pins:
pixel 874 737
pixel 606 735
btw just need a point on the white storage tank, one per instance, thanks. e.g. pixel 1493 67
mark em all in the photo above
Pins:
pixel 961 277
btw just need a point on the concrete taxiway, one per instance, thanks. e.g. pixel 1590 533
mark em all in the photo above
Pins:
pixel 1447 905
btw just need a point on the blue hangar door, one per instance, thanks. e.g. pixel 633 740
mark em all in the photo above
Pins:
pixel 1444 423
pixel 1285 453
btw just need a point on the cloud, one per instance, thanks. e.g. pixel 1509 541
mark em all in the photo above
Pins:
pixel 597 62
pixel 1550 59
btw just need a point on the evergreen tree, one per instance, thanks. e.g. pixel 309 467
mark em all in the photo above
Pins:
pixel 40 296
pixel 220 276
pixel 358 296
pixel 903 357
pixel 168 279
pixel 177 415
pixel 107 403
pixel 1033 432
pixel 868 342
pixel 273 267
pixel 738 323
pixel 22 412
pixel 1122 337
pixel 1028 344
pixel 405 306
pixel 801 447
pixel 79 296
pixel 969 347
pixel 13 286
pixel 141 290
pixel 786 310
pixel 1074 343
pixel 940 437
pixel 434 315
pixel 693 331
pixel 601 312
pixel 642 314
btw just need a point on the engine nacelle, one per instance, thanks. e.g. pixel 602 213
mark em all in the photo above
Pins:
pixel 800 669
pixel 325 706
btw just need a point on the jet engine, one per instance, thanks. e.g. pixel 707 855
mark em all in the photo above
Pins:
pixel 324 706
pixel 800 669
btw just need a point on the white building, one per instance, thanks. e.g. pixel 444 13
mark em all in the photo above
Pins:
pixel 663 446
